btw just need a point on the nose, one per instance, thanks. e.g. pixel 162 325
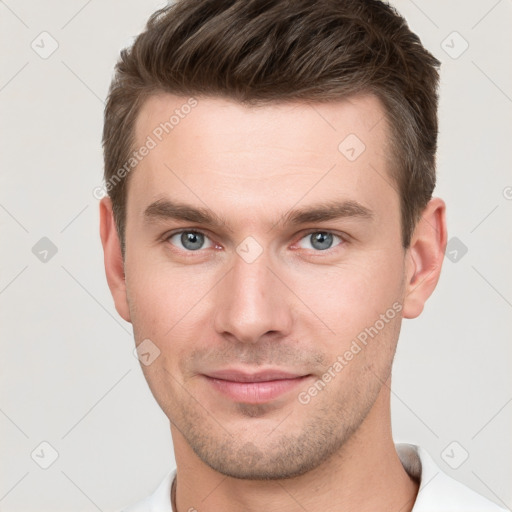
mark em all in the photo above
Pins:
pixel 252 303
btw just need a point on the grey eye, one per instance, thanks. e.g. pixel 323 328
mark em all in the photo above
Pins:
pixel 319 240
pixel 192 241
pixel 189 240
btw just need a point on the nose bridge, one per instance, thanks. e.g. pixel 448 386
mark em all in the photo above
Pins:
pixel 252 301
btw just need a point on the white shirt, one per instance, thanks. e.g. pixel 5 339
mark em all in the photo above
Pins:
pixel 438 492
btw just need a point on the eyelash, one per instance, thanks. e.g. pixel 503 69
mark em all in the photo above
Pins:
pixel 343 240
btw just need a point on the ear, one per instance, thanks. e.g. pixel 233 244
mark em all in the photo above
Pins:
pixel 114 266
pixel 424 257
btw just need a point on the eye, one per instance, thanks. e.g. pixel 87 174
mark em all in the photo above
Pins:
pixel 190 240
pixel 319 240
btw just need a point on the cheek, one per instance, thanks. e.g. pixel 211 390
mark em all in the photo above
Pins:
pixel 166 303
pixel 352 296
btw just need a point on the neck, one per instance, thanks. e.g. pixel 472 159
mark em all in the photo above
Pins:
pixel 365 474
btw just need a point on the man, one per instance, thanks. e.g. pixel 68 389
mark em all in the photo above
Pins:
pixel 270 168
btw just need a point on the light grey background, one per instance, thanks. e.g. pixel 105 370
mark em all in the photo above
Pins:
pixel 68 375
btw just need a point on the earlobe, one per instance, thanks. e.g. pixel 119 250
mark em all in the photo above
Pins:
pixel 425 257
pixel 114 266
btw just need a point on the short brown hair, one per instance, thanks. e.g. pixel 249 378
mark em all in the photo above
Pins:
pixel 271 51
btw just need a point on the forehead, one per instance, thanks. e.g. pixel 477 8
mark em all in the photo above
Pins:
pixel 219 152
pixel 164 114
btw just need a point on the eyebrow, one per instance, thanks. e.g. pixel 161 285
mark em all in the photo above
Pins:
pixel 164 209
pixel 328 211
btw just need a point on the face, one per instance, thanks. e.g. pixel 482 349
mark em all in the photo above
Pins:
pixel 262 244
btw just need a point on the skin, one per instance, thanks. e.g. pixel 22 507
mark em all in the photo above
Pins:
pixel 295 307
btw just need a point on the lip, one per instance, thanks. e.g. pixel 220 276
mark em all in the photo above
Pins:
pixel 254 388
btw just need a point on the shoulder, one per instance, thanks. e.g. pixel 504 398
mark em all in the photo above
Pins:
pixel 439 491
pixel 159 500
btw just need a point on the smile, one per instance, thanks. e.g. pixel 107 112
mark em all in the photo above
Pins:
pixel 254 388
